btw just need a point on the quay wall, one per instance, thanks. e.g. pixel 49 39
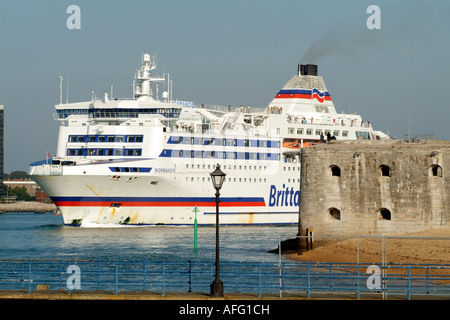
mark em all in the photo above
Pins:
pixel 375 187
pixel 27 206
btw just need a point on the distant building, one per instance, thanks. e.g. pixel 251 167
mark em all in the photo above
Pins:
pixel 32 189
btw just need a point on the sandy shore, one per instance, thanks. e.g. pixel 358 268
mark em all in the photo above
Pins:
pixel 27 206
pixel 420 247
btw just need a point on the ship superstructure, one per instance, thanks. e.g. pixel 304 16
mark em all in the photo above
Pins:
pixel 147 160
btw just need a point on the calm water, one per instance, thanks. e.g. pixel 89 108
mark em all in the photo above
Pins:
pixel 43 236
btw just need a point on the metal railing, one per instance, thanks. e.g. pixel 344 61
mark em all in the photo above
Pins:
pixel 285 278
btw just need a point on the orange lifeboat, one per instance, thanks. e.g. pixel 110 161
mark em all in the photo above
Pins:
pixel 295 145
pixel 292 145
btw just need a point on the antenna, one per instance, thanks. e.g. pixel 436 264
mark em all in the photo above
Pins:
pixel 60 89
pixel 67 90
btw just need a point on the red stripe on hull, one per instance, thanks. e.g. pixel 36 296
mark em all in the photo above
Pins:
pixel 158 204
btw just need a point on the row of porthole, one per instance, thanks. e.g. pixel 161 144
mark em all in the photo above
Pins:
pixel 436 170
pixel 384 214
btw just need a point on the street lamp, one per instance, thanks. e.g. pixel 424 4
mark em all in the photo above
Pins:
pixel 217 177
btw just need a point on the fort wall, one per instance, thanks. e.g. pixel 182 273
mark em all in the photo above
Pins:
pixel 375 187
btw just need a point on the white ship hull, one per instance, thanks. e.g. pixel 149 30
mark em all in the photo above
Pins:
pixel 174 198
pixel 147 161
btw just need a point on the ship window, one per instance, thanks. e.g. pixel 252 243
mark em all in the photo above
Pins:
pixel 101 139
pixel 72 138
pixel 119 138
pixel 345 133
pixel 299 131
pixel 336 133
pixel 309 131
pixel 362 135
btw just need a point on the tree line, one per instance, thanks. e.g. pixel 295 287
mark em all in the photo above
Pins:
pixel 21 193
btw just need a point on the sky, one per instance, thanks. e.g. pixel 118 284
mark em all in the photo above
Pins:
pixel 229 52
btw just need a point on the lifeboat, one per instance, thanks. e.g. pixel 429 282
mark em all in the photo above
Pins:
pixel 294 146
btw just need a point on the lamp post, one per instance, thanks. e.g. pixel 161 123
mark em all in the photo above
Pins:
pixel 217 177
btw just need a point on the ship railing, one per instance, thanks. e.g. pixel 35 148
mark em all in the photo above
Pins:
pixel 192 130
pixel 329 122
pixel 46 170
pixel 232 109
pixel 55 170
pixel 281 278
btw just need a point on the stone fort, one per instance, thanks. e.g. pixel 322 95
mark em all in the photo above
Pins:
pixel 374 187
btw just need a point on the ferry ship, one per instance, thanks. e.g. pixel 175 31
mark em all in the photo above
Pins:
pixel 147 160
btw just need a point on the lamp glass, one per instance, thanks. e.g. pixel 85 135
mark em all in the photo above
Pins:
pixel 217 177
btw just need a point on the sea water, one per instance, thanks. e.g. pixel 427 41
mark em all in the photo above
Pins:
pixel 44 236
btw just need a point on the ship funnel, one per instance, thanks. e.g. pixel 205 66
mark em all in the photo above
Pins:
pixel 307 69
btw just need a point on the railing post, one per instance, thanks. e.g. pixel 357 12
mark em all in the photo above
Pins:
pixel 281 266
pixel 357 282
pixel 164 280
pixel 145 275
pixel 98 278
pixel 308 282
pixel 29 276
pixel 60 274
pixel 22 273
pixel 330 273
pixel 409 284
pixel 117 278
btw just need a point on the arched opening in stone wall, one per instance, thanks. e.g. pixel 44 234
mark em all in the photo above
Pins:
pixel 335 213
pixel 385 214
pixel 385 170
pixel 436 170
pixel 335 171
